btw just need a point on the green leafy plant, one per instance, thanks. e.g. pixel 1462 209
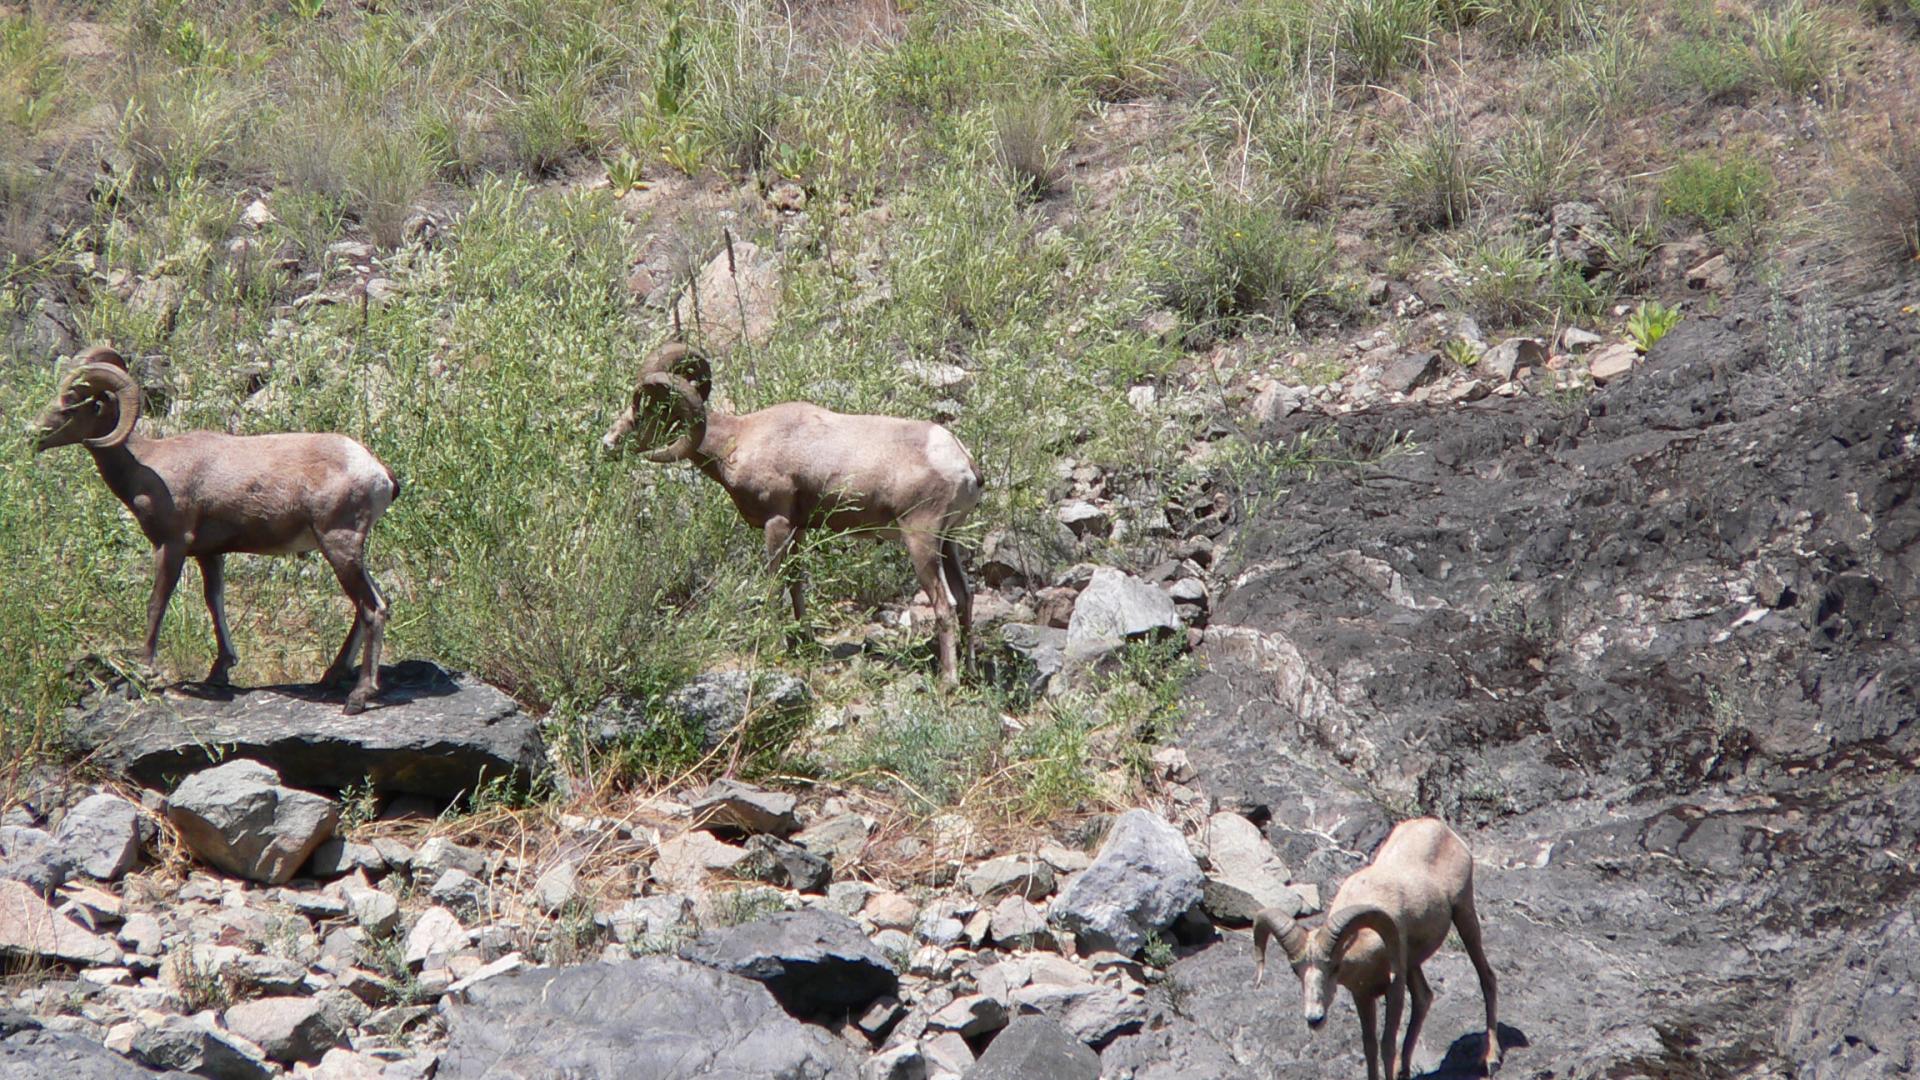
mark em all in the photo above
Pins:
pixel 307 9
pixel 1460 352
pixel 1650 322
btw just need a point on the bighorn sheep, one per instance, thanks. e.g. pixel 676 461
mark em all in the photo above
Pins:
pixel 1386 921
pixel 796 466
pixel 207 495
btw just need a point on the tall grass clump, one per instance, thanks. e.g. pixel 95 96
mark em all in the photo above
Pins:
pixel 1502 280
pixel 1539 23
pixel 1715 190
pixel 1879 205
pixel 1539 163
pixel 1244 258
pixel 1794 47
pixel 1431 177
pixel 1112 49
pixel 182 125
pixel 32 76
pixel 1031 133
pixel 1375 37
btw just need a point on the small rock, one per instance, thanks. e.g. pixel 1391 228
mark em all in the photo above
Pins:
pixel 890 911
pixel 1114 607
pixel 1409 372
pixel 813 961
pixel 180 1043
pixel 30 927
pixel 377 912
pixel 683 863
pixel 257 215
pixel 1713 275
pixel 1612 362
pixel 1095 1015
pixel 436 933
pixel 1015 875
pixel 556 887
pixel 971 1015
pixel 787 197
pixel 439 855
pixel 288 1029
pixel 790 864
pixel 839 839
pixel 1575 340
pixel 1500 362
pixel 1018 924
pixel 729 805
pixel 339 856
pixel 1084 519
pixel 102 836
pixel 459 890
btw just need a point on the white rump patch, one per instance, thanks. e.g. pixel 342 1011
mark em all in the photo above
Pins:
pixel 369 474
pixel 952 461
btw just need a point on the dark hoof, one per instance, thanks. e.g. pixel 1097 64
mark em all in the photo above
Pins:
pixel 353 707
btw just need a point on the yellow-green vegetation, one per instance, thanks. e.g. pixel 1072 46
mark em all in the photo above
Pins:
pixel 1061 198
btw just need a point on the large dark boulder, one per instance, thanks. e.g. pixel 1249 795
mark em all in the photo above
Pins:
pixel 815 962
pixel 658 1017
pixel 1653 651
pixel 430 732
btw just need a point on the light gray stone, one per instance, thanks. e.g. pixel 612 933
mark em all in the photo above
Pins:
pixel 731 805
pixel 102 836
pixel 1011 875
pixel 287 1029
pixel 1142 880
pixel 241 819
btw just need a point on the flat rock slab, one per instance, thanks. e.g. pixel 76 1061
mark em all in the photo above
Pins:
pixel 656 1017
pixel 1035 1048
pixel 813 961
pixel 30 927
pixel 56 1055
pixel 430 732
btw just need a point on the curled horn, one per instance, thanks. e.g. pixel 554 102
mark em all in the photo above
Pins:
pixel 685 404
pixel 104 371
pixel 1343 924
pixel 1292 939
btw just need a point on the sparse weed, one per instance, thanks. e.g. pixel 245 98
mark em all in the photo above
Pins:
pixel 1503 281
pixel 1811 344
pixel 1715 69
pixel 1538 164
pixel 32 75
pixel 737 907
pixel 1537 23
pixel 1716 189
pixel 1030 136
pixel 1650 322
pixel 1879 206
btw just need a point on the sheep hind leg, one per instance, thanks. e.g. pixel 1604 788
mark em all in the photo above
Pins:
pixel 167 563
pixel 214 582
pixel 924 549
pixel 960 592
pixel 345 552
pixel 1467 922
pixel 1420 996
pixel 782 538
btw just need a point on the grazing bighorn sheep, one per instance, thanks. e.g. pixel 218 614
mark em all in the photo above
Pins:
pixel 207 495
pixel 796 466
pixel 1386 921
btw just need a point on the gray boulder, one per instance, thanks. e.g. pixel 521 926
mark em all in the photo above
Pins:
pixel 789 864
pixel 656 1017
pixel 433 732
pixel 289 1029
pixel 101 835
pixel 813 961
pixel 1035 1048
pixel 1117 607
pixel 731 806
pixel 1041 650
pixel 1142 881
pixel 1011 875
pixel 30 928
pixel 240 818
pixel 182 1044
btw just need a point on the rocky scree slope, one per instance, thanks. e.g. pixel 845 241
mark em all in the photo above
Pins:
pixel 1655 652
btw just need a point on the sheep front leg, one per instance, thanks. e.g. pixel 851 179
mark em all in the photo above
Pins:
pixel 1421 996
pixel 924 549
pixel 1467 922
pixel 213 581
pixel 1396 1001
pixel 168 559
pixel 345 551
pixel 1369 1037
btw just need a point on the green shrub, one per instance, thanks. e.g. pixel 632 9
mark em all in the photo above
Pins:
pixel 550 124
pixel 1650 322
pixel 1244 258
pixel 32 75
pixel 1714 189
pixel 1711 69
pixel 1503 281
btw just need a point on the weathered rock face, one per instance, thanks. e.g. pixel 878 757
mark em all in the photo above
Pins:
pixel 102 836
pixel 240 818
pixel 1654 656
pixel 656 1017
pixel 32 1053
pixel 1143 879
pixel 433 732
pixel 30 928
pixel 813 961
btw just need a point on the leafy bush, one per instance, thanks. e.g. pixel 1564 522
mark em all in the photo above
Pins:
pixel 1715 190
